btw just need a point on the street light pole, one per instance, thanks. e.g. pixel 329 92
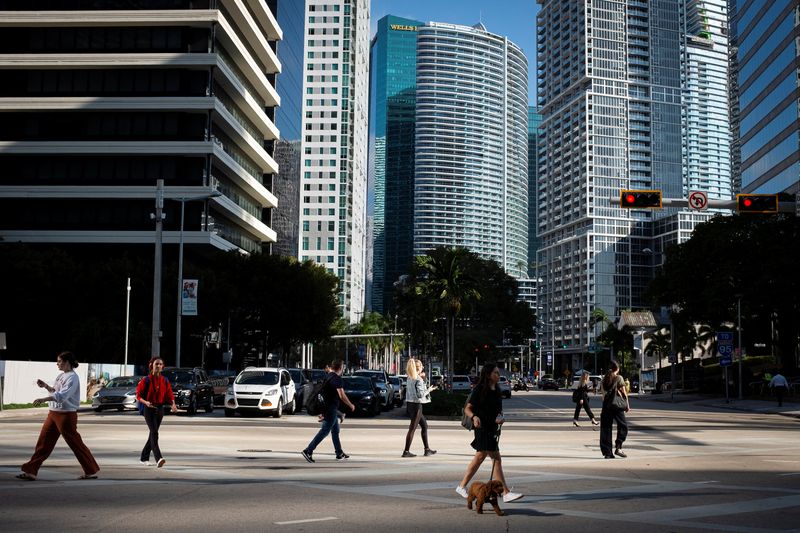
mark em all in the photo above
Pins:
pixel 739 329
pixel 158 217
pixel 179 318
pixel 127 324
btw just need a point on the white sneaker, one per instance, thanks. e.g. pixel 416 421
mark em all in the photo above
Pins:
pixel 511 496
pixel 462 491
pixel 161 462
pixel 146 463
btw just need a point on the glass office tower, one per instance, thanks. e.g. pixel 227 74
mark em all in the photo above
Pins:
pixel 393 71
pixel 334 145
pixel 765 35
pixel 471 167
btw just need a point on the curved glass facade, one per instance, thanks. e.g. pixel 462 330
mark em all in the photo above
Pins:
pixel 471 144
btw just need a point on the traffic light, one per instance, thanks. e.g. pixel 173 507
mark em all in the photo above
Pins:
pixel 650 199
pixel 757 203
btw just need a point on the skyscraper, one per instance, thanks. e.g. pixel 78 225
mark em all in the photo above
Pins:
pixel 471 167
pixel 334 144
pixel 393 71
pixel 614 117
pixel 288 119
pixel 100 100
pixel 765 35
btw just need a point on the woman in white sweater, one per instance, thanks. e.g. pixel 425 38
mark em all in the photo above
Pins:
pixel 417 394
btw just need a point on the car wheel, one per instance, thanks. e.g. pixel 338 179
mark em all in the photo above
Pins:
pixel 230 412
pixel 279 411
pixel 292 407
pixel 376 409
pixel 192 409
pixel 210 406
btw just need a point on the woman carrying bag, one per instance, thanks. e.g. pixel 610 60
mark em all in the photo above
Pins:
pixel 581 398
pixel 615 405
pixel 153 392
pixel 417 394
pixel 485 408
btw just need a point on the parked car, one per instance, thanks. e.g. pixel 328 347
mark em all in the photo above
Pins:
pixel 382 383
pixel 261 390
pixel 192 389
pixel 399 391
pixel 301 387
pixel 360 390
pixel 220 379
pixel 547 382
pixel 505 387
pixel 437 380
pixel 119 394
pixel 461 383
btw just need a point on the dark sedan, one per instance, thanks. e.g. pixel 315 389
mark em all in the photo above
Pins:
pixel 361 392
pixel 549 384
pixel 301 387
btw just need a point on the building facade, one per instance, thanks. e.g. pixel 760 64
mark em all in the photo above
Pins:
pixel 288 119
pixel 638 102
pixel 334 145
pixel 99 101
pixel 393 71
pixel 766 70
pixel 471 140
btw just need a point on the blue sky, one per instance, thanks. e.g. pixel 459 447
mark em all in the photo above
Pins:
pixel 515 19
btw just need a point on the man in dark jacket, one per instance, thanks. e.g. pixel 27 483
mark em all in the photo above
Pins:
pixel 333 393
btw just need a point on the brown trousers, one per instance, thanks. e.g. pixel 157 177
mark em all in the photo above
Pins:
pixel 58 424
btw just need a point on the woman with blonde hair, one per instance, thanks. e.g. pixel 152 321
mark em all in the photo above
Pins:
pixel 417 393
pixel 581 399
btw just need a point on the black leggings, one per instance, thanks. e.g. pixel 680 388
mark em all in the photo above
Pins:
pixel 153 417
pixel 417 419
pixel 608 416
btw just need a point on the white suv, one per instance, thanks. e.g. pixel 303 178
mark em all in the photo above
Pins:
pixel 261 389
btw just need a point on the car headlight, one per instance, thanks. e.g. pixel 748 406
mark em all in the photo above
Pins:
pixel 368 397
pixel 96 394
pixel 130 394
pixel 270 392
pixel 229 390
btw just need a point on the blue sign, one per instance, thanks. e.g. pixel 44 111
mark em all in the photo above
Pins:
pixel 725 347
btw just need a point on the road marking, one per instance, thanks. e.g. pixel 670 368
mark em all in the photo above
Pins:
pixel 790 474
pixel 305 521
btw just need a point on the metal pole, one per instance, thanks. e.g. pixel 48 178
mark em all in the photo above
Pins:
pixel 127 324
pixel 673 358
pixel 179 316
pixel 155 341
pixel 739 328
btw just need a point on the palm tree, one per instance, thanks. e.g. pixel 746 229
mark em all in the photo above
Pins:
pixel 445 281
pixel 659 344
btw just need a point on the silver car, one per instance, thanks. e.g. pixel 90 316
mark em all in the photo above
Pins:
pixel 119 394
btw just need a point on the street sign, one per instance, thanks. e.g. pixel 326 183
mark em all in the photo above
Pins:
pixel 549 358
pixel 698 200
pixel 725 347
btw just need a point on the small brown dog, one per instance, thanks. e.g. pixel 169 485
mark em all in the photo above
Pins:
pixel 485 492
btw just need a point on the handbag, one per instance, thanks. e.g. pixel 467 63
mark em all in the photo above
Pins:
pixel 616 401
pixel 466 421
pixel 577 395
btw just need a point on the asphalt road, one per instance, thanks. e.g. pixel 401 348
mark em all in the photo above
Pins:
pixel 689 468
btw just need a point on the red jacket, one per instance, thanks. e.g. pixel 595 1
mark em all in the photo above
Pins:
pixel 159 390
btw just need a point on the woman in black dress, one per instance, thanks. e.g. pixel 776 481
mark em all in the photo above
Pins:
pixel 582 395
pixel 485 406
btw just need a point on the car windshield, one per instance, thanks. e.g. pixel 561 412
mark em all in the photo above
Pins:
pixel 257 377
pixel 395 381
pixel 357 383
pixel 377 376
pixel 178 376
pixel 122 382
pixel 297 374
pixel 462 379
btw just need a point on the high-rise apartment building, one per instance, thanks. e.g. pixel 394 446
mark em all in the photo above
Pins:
pixel 534 120
pixel 393 73
pixel 471 140
pixel 636 101
pixel 99 100
pixel 766 59
pixel 334 144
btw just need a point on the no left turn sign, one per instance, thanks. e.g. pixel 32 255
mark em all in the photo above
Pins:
pixel 698 200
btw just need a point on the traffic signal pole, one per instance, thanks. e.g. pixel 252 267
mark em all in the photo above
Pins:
pixel 783 207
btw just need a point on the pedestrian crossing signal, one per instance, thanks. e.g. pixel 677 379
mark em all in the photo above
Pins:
pixel 649 199
pixel 757 203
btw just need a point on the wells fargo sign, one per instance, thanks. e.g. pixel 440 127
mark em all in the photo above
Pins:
pixel 402 27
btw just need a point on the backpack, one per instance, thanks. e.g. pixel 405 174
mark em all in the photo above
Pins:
pixel 315 401
pixel 140 405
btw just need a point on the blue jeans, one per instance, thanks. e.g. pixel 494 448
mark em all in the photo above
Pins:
pixel 330 424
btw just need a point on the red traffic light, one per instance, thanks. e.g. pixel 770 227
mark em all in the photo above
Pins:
pixel 757 203
pixel 648 199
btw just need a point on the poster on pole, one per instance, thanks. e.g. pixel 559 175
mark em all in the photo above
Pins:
pixel 189 297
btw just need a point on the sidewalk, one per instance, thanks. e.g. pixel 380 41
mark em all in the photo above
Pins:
pixel 31 411
pixel 752 405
